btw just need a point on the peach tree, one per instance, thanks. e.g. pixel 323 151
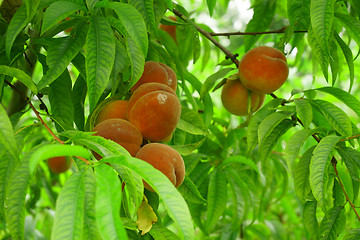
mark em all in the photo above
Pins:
pixel 290 170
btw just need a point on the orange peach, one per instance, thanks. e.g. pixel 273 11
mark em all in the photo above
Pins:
pixel 170 29
pixel 59 164
pixel 165 159
pixel 263 69
pixel 113 109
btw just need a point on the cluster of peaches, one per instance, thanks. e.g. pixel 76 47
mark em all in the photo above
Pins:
pixel 262 70
pixel 147 119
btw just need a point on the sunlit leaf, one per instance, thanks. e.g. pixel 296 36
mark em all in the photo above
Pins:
pixel 333 223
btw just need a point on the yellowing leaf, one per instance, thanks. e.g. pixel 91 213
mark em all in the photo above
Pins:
pixel 146 217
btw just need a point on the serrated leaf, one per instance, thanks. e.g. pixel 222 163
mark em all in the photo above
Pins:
pixel 337 118
pixel 212 79
pixel 301 175
pixel 321 16
pixel 108 202
pixel 269 123
pixel 15 198
pixel 56 150
pixel 255 121
pixel 348 57
pixel 216 198
pixel 19 75
pixel 304 111
pixel 9 153
pixel 264 11
pixel 146 8
pixel 172 199
pixel 69 217
pixel 318 163
pixel 191 122
pixel 57 12
pixel 62 107
pixel 190 192
pixel 60 53
pixel 298 13
pixel 310 220
pixel 320 54
pixel 137 61
pixel 352 234
pixel 348 99
pixel 294 145
pixel 333 223
pixel 100 55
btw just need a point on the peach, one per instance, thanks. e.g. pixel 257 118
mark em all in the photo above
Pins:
pixel 263 69
pixel 122 132
pixel 113 109
pixel 170 29
pixel 155 110
pixel 157 72
pixel 165 159
pixel 234 97
pixel 59 164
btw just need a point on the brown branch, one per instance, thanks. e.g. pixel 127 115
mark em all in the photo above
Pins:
pixel 281 30
pixel 228 54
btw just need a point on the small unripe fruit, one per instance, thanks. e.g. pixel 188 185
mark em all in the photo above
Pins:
pixel 59 164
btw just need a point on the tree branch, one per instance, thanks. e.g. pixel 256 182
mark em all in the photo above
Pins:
pixel 281 30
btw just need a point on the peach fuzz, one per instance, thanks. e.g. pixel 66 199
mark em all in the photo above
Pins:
pixel 165 159
pixel 157 72
pixel 120 131
pixel 263 69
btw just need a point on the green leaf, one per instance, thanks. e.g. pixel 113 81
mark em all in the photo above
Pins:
pixel 62 107
pixel 241 160
pixel 211 5
pixel 159 232
pixel 264 11
pixel 353 234
pixel 108 202
pixel 301 175
pixel 320 54
pixel 269 123
pixel 60 53
pixel 294 145
pixel 146 8
pixel 304 111
pixel 318 164
pixel 310 220
pixel 91 231
pixel 298 13
pixel 217 198
pixel 69 216
pixel 191 122
pixel 78 96
pixel 348 99
pixel 322 15
pixel 172 199
pixel 190 191
pixel 15 198
pixel 256 120
pixel 56 150
pixel 19 75
pixel 9 154
pixel 137 61
pixel 348 57
pixel 212 79
pixel 100 55
pixel 337 118
pixel 57 12
pixel 133 23
pixel 16 25
pixel 333 223
pixel 351 24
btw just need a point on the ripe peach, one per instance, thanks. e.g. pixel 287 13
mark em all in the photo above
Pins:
pixel 157 72
pixel 234 97
pixel 59 164
pixel 170 29
pixel 121 131
pixel 263 69
pixel 155 110
pixel 113 109
pixel 165 159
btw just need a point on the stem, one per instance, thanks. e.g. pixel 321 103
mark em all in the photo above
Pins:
pixel 228 54
pixel 333 162
pixel 281 30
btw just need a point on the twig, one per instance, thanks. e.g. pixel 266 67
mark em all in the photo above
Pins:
pixel 281 30
pixel 228 54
